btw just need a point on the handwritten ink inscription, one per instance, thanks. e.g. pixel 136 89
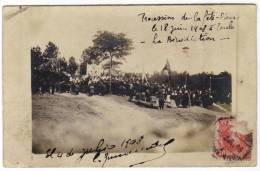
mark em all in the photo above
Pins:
pixel 102 150
pixel 205 26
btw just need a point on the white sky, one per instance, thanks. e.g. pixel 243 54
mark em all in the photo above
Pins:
pixel 72 29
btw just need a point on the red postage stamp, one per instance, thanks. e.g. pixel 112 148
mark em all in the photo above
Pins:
pixel 232 140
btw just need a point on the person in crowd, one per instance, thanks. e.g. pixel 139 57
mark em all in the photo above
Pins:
pixel 131 91
pixel 141 91
pixel 193 97
pixel 185 99
pixel 91 89
pixel 161 101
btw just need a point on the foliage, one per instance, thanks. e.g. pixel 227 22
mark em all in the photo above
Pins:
pixel 72 67
pixel 220 84
pixel 114 63
pixel 51 51
pixel 108 47
pixel 112 46
pixel 47 68
pixel 91 55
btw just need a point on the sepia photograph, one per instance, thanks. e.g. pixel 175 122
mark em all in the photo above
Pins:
pixel 116 87
pixel 111 81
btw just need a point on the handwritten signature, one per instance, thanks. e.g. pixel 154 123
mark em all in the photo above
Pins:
pixel 103 147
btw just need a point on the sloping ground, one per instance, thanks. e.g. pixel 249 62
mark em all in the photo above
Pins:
pixel 66 121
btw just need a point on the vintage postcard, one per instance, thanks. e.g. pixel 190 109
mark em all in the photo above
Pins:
pixel 129 85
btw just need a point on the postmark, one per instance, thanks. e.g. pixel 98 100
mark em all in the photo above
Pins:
pixel 232 140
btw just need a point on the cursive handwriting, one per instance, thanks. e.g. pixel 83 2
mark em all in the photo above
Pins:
pixel 102 151
pixel 207 26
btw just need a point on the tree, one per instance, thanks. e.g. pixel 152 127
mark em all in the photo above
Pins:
pixel 73 66
pixel 50 56
pixel 89 56
pixel 47 68
pixel 36 62
pixel 51 51
pixel 83 68
pixel 111 46
pixel 36 57
pixel 115 64
pixel 62 64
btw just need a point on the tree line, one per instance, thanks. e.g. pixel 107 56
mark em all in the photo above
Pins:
pixel 49 68
pixel 219 84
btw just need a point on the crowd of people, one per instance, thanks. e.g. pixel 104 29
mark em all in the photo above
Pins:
pixel 141 92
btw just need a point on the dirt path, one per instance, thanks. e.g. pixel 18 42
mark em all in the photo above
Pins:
pixel 65 121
